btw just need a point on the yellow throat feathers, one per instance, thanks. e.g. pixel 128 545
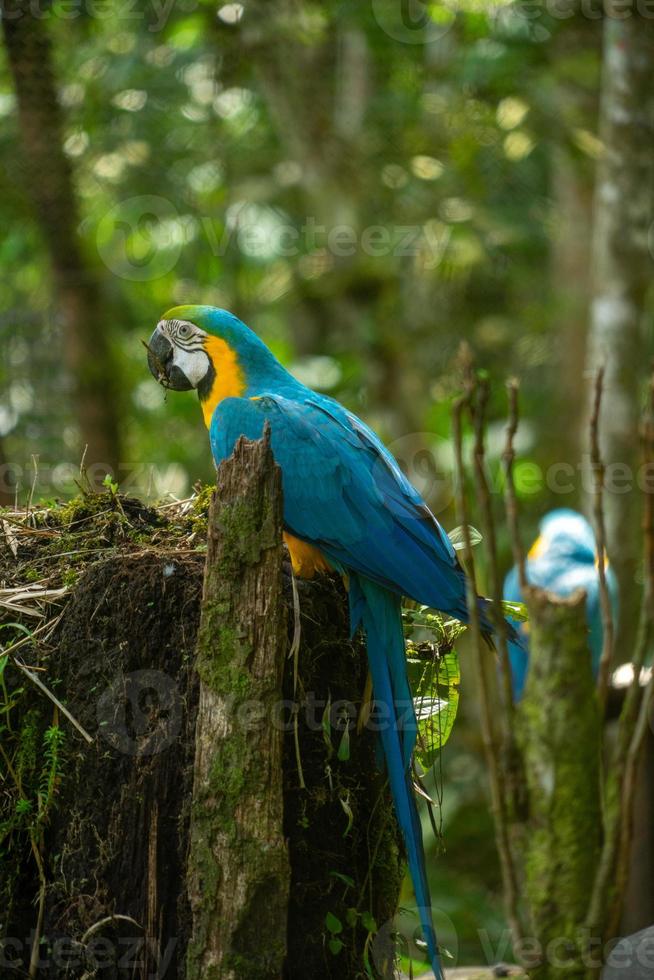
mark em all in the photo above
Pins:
pixel 229 381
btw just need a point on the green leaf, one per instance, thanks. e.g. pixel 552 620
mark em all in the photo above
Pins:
pixel 345 803
pixel 516 610
pixel 435 684
pixel 335 946
pixel 423 623
pixel 110 484
pixel 457 537
pixel 368 921
pixel 351 917
pixel 366 959
pixel 326 727
pixel 344 748
pixel 344 878
pixel 17 626
pixel 333 924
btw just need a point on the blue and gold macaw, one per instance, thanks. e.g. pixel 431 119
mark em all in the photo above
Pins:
pixel 347 507
pixel 561 560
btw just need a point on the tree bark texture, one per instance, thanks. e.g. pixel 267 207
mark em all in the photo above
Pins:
pixel 48 182
pixel 559 735
pixel 239 871
pixel 622 272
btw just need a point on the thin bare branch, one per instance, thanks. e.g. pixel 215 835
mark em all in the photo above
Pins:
pixel 496 775
pixel 488 521
pixel 41 686
pixel 597 467
pixel 632 726
pixel 638 725
pixel 35 478
pixel 508 458
pixel 294 652
pixel 35 955
pixel 108 920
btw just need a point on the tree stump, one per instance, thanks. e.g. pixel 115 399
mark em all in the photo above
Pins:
pixel 560 737
pixel 115 845
pixel 238 872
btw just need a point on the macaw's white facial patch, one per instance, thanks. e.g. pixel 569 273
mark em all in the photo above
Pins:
pixel 189 355
pixel 193 365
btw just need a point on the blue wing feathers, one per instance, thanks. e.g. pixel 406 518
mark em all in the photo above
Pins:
pixel 345 493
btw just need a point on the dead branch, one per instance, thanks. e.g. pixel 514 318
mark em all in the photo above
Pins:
pixel 488 522
pixel 597 467
pixel 639 724
pixel 632 726
pixel 509 490
pixel 496 775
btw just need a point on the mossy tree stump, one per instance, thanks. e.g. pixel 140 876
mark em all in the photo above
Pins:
pixel 559 733
pixel 115 851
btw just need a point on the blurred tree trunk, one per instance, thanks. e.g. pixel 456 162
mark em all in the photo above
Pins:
pixel 622 269
pixel 49 183
pixel 570 272
pixel 572 176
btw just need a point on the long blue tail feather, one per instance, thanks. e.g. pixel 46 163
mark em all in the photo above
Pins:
pixel 379 612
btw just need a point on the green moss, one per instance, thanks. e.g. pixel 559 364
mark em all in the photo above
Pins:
pixel 559 733
pixel 79 508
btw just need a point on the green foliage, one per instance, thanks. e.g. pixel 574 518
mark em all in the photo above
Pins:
pixel 516 610
pixel 333 924
pixel 32 759
pixel 247 170
pixel 110 484
pixel 437 703
pixel 434 675
pixel 457 537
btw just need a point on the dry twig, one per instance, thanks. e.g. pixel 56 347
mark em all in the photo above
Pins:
pixel 597 466
pixel 35 679
pixel 488 520
pixel 604 906
pixel 496 775
pixel 510 496
pixel 294 652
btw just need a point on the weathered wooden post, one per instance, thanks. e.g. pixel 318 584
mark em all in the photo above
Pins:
pixel 238 872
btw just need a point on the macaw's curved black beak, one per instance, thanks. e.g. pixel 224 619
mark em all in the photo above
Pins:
pixel 160 362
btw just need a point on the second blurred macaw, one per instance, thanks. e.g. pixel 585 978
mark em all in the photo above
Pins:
pixel 347 507
pixel 562 559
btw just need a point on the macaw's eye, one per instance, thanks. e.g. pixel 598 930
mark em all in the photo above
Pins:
pixel 185 331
